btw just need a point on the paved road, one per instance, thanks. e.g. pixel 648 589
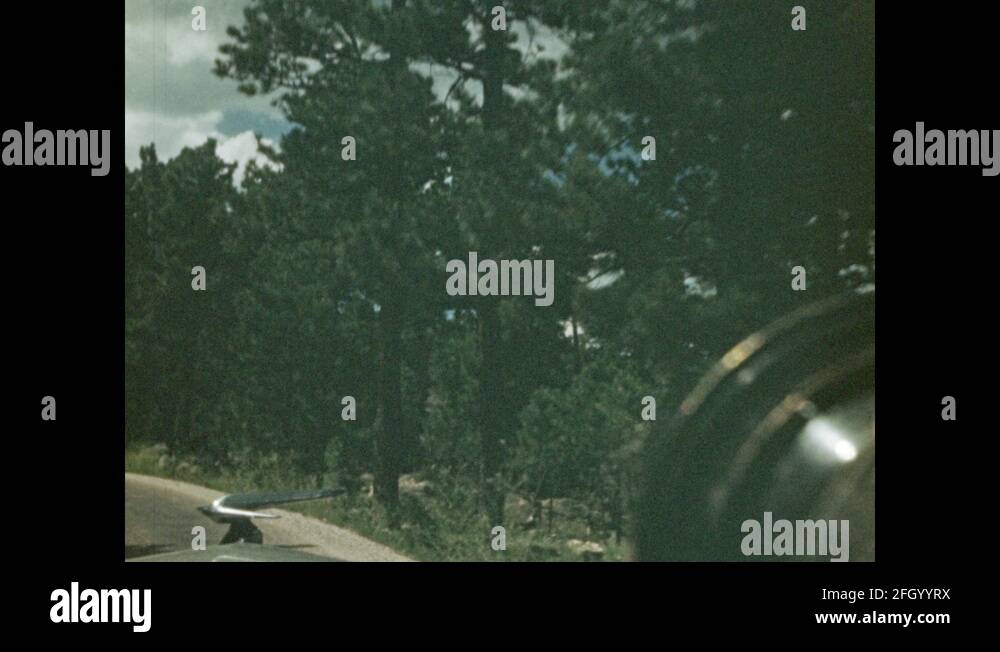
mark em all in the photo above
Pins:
pixel 160 513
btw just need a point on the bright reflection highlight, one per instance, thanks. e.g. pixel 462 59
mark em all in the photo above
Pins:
pixel 823 440
pixel 845 450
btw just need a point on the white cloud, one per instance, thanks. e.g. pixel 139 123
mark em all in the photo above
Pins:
pixel 241 149
pixel 188 46
pixel 170 134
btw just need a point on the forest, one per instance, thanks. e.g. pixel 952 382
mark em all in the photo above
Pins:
pixel 325 275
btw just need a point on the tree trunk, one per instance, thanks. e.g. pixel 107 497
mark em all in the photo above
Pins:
pixel 489 404
pixel 414 455
pixel 490 384
pixel 391 437
pixel 577 352
pixel 387 448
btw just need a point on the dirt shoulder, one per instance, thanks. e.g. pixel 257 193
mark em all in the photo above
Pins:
pixel 162 512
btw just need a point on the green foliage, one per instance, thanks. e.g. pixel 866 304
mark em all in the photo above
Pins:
pixel 580 441
pixel 326 277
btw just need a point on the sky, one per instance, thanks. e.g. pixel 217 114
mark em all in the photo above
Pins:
pixel 173 100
